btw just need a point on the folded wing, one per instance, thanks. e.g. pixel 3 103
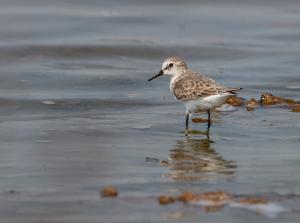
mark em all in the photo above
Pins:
pixel 193 86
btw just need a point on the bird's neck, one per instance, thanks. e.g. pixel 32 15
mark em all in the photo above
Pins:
pixel 177 76
pixel 174 79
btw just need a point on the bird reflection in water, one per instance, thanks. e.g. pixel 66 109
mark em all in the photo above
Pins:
pixel 196 160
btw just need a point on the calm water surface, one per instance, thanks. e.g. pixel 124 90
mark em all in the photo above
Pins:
pixel 77 112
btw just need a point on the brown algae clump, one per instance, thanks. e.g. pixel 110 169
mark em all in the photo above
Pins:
pixel 188 197
pixel 252 201
pixel 164 199
pixel 252 104
pixel 235 101
pixel 295 108
pixel 209 198
pixel 109 191
pixel 215 198
pixel 270 99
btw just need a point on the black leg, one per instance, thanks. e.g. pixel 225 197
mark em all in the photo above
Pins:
pixel 209 121
pixel 187 123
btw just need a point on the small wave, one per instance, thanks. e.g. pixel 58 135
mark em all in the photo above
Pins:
pixel 121 50
pixel 271 210
pixel 293 87
pixel 72 104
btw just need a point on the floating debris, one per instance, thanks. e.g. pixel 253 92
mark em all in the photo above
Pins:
pixel 215 200
pixel 188 197
pixel 266 99
pixel 295 108
pixel 235 101
pixel 252 104
pixel 252 200
pixel 270 99
pixel 109 191
pixel 164 199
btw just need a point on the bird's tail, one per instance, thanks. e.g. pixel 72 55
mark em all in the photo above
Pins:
pixel 233 90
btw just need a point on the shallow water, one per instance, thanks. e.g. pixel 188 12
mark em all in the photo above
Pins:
pixel 77 112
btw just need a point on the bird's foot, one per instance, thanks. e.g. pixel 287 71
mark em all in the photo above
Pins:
pixel 186 132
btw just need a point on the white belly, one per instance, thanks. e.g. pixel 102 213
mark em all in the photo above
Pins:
pixel 206 103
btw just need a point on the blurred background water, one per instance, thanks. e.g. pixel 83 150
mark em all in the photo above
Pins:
pixel 77 112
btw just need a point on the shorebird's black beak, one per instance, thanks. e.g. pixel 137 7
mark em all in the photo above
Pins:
pixel 159 74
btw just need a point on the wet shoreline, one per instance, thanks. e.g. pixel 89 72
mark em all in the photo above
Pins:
pixel 77 113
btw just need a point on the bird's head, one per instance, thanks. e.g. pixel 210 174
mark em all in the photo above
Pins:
pixel 172 66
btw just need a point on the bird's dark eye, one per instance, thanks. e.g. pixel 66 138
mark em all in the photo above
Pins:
pixel 170 65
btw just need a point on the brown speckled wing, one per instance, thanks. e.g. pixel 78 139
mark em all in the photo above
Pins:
pixel 192 86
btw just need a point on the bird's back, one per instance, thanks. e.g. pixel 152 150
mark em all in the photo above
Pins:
pixel 192 85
